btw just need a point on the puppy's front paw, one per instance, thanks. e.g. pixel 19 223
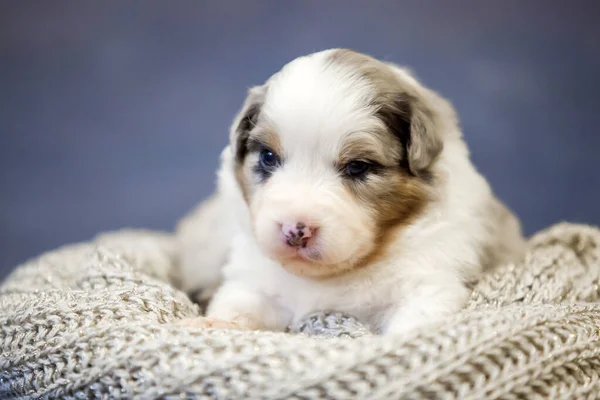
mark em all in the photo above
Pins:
pixel 215 323
pixel 407 329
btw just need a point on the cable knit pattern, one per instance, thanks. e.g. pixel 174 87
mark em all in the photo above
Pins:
pixel 95 320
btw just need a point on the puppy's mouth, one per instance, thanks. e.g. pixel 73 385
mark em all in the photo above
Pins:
pixel 305 253
pixel 310 254
pixel 309 263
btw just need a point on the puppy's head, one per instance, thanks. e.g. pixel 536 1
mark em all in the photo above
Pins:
pixel 332 154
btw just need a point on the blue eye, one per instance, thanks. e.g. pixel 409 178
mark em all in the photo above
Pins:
pixel 357 169
pixel 268 159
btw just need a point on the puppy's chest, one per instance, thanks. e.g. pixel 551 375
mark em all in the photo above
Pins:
pixel 366 297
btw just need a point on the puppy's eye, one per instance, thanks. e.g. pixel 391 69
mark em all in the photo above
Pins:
pixel 268 159
pixel 357 169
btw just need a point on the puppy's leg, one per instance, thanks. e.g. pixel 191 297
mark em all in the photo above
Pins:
pixel 427 305
pixel 235 306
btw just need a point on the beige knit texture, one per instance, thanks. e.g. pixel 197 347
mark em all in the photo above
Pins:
pixel 95 320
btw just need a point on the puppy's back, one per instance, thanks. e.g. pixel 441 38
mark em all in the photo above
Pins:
pixel 507 244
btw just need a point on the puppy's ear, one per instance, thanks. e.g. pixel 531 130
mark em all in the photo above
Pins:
pixel 245 121
pixel 416 122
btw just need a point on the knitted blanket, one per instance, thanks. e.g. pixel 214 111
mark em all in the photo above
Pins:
pixel 95 320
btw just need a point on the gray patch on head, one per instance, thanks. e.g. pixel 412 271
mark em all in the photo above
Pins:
pixel 406 110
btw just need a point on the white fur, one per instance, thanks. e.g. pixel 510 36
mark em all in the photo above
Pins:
pixel 423 277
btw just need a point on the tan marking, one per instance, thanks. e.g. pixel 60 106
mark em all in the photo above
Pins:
pixel 396 200
pixel 388 229
pixel 241 178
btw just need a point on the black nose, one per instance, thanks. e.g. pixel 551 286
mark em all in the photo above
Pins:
pixel 297 234
pixel 296 239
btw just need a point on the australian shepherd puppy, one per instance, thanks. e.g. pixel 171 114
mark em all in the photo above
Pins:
pixel 346 186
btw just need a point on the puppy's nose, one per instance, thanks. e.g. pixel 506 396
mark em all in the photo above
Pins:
pixel 297 234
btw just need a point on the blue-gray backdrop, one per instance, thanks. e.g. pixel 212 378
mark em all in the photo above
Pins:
pixel 112 113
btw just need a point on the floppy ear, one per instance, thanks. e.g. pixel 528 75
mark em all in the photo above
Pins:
pixel 416 124
pixel 245 121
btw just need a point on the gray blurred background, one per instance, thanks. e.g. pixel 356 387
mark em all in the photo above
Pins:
pixel 112 113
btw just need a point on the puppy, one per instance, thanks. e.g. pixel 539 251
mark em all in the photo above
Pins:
pixel 346 186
